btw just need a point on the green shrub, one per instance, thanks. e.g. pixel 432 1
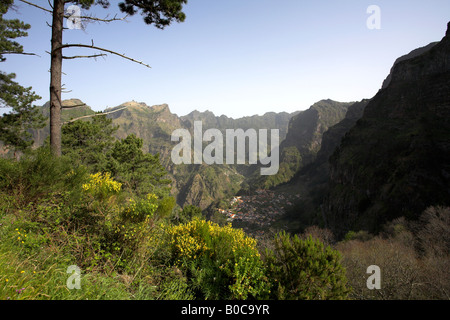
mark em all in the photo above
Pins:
pixel 361 235
pixel 219 262
pixel 37 175
pixel 304 269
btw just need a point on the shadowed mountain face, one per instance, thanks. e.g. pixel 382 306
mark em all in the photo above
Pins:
pixel 317 172
pixel 303 141
pixel 396 160
pixel 412 54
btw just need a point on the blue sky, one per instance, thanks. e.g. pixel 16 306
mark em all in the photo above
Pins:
pixel 234 57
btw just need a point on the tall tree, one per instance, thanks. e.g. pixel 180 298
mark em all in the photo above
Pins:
pixel 160 13
pixel 23 115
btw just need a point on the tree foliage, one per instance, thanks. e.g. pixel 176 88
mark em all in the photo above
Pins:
pixel 160 12
pixel 10 29
pixel 139 171
pixel 23 115
pixel 88 142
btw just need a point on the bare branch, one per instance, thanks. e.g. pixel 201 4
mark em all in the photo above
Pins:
pixel 91 56
pixel 94 115
pixel 102 49
pixel 78 57
pixel 102 20
pixel 75 106
pixel 35 5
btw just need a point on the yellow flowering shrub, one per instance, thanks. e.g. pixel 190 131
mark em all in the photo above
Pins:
pixel 133 229
pixel 203 237
pixel 141 209
pixel 101 185
pixel 222 262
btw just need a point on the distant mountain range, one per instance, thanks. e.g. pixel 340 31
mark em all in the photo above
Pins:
pixel 192 184
pixel 201 185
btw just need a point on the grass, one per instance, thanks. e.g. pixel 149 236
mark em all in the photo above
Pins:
pixel 42 275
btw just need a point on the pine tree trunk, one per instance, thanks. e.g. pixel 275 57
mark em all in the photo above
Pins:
pixel 55 77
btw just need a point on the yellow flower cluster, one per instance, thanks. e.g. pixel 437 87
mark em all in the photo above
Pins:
pixel 101 184
pixel 146 206
pixel 237 238
pixel 186 241
pixel 22 236
pixel 198 237
pixel 136 221
pixel 131 233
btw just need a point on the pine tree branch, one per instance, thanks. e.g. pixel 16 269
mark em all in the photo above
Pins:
pixel 102 49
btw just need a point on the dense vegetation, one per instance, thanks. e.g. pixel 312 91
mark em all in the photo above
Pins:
pixel 131 244
pixel 105 207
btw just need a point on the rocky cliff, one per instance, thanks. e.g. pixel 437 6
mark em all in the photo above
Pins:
pixel 396 160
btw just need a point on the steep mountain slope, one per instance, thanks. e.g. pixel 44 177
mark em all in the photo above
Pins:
pixel 412 54
pixel 199 185
pixel 303 140
pixel 396 160
pixel 317 171
pixel 311 181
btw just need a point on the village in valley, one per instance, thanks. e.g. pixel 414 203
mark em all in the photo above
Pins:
pixel 257 212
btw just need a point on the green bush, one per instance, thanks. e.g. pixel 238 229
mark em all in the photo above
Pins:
pixel 304 269
pixel 37 175
pixel 218 262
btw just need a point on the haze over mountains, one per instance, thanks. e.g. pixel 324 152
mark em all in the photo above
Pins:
pixel 355 164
